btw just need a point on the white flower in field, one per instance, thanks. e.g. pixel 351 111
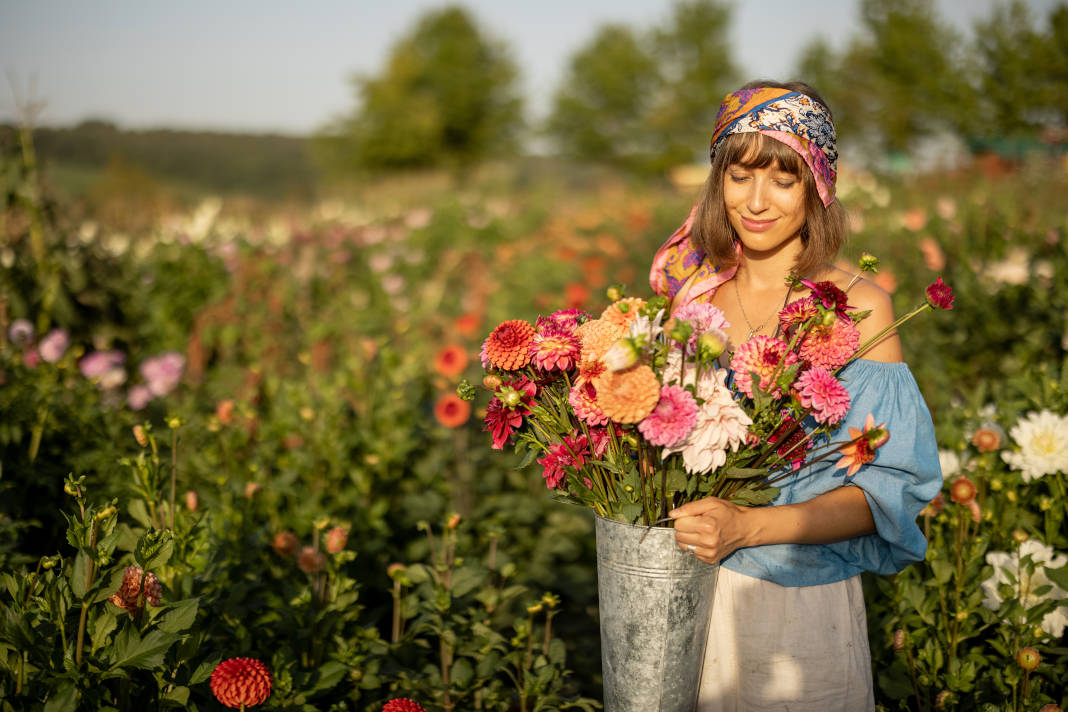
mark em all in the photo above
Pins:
pixel 950 463
pixel 1043 441
pixel 1014 269
pixel 1005 565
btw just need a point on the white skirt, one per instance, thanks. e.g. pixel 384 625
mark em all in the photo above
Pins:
pixel 773 647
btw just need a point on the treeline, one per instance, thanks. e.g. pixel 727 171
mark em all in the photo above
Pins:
pixel 645 98
pixel 264 165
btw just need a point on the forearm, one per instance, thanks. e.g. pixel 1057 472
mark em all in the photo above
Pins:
pixel 837 515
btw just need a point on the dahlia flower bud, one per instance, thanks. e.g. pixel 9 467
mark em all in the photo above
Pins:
pixel 491 381
pixel 452 522
pixel 105 513
pixel 711 344
pixel 623 354
pixel 192 501
pixel 899 639
pixel 310 560
pixel 336 539
pixel 251 489
pixel 307 414
pixel 1028 658
pixel 550 600
pixel 942 699
pixel 285 543
pixel 509 396
pixel 70 488
pixel 868 262
pixel 680 330
pixel 465 390
pixel 829 318
pixel 1019 536
pixel 140 436
pixel 534 608
pixel 614 293
pixel 241 682
pixel 402 704
pixel 174 423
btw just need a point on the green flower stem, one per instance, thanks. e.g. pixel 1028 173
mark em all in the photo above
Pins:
pixel 912 674
pixel 870 343
pixel 548 632
pixel 962 525
pixel 397 593
pixel 84 616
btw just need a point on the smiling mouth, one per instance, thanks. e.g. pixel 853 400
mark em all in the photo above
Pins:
pixel 757 225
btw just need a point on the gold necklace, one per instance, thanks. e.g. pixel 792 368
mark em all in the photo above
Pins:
pixel 752 329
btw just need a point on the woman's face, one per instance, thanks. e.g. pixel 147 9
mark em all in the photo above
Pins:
pixel 765 206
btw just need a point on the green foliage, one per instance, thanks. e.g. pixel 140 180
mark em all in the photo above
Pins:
pixel 446 96
pixel 645 100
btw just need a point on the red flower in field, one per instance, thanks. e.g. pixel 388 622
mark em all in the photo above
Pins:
pixel 451 360
pixel 986 440
pixel 311 560
pixel 225 411
pixel 575 295
pixel 241 682
pixel 935 506
pixel 336 539
pixel 864 443
pixel 285 543
pixel 466 324
pixel 508 347
pixel 452 411
pixel 402 704
pixel 940 295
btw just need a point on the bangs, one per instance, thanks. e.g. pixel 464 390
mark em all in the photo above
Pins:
pixel 755 150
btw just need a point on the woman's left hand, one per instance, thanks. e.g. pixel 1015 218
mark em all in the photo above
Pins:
pixel 714 526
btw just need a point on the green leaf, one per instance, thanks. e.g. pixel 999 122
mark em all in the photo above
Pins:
pixel 139 511
pixel 64 699
pixel 179 617
pixel 328 675
pixel 177 695
pixel 146 653
pixel 754 498
pixel 1059 576
pixel 737 473
pixel 79 575
pixel 204 670
pixel 462 673
pixel 527 459
pixel 104 591
pixel 103 624
pixel 154 549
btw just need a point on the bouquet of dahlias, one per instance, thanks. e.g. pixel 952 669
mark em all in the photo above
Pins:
pixel 632 414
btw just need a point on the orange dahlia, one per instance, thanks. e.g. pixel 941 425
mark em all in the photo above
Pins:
pixel 508 347
pixel 452 411
pixel 597 337
pixel 285 543
pixel 241 682
pixel 628 396
pixel 623 315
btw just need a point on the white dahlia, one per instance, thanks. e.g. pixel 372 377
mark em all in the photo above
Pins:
pixel 1043 441
pixel 1006 565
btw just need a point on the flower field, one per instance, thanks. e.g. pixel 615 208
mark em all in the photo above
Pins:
pixel 235 470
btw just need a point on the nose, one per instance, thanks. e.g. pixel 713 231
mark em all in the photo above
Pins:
pixel 757 200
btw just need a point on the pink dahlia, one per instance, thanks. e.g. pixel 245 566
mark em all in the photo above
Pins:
pixel 703 317
pixel 570 453
pixel 583 398
pixel 600 437
pixel 824 394
pixel 797 312
pixel 566 319
pixel 940 294
pixel 673 418
pixel 761 355
pixel 508 346
pixel 554 348
pixel 722 426
pixel 831 346
pixel 54 345
pixel 162 373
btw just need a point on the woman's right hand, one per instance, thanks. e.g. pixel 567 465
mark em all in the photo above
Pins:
pixel 714 527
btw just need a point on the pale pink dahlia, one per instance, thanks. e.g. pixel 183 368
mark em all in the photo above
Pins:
pixel 703 317
pixel 583 398
pixel 554 348
pixel 824 394
pixel 722 426
pixel 761 355
pixel 672 419
pixel 831 346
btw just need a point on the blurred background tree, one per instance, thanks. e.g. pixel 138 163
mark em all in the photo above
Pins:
pixel 448 95
pixel 646 100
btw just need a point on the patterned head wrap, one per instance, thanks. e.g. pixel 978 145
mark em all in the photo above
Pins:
pixel 791 117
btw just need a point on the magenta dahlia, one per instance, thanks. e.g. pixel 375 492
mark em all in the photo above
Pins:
pixel 797 312
pixel 824 394
pixel 761 355
pixel 831 346
pixel 570 453
pixel 673 418
pixel 554 348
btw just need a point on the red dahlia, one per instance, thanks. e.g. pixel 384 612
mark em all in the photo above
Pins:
pixel 402 704
pixel 241 681
pixel 940 295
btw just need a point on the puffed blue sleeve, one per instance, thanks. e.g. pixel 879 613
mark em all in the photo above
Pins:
pixel 905 474
pixel 902 478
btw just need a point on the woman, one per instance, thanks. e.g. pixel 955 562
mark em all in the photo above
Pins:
pixel 789 628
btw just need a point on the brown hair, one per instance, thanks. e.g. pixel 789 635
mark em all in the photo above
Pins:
pixel 824 231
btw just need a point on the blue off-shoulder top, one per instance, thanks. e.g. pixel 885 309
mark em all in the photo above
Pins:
pixel 898 483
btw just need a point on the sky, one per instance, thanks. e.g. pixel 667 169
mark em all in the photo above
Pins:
pixel 287 67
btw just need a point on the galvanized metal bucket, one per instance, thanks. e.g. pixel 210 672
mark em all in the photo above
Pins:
pixel 655 603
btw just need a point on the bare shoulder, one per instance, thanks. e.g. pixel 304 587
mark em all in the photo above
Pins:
pixel 867 296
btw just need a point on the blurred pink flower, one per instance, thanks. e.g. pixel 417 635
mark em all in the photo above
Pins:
pixel 914 219
pixel 138 397
pixel 105 366
pixel 933 256
pixel 163 372
pixel 21 332
pixel 54 345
